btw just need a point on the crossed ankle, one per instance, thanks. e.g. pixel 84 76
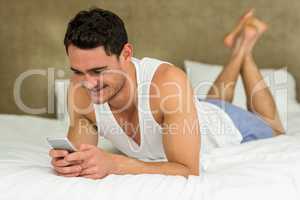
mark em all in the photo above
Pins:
pixel 248 56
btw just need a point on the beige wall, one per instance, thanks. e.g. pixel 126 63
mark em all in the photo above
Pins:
pixel 32 36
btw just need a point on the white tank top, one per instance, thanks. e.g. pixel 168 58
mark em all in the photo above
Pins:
pixel 216 127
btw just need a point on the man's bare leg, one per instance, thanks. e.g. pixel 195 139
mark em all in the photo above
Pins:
pixel 259 97
pixel 224 85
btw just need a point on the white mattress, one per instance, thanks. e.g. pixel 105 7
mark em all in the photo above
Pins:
pixel 266 169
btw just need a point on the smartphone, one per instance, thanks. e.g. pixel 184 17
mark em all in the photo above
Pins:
pixel 61 143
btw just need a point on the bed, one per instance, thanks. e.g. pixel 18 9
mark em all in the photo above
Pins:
pixel 265 169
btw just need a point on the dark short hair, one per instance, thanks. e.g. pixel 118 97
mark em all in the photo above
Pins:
pixel 94 28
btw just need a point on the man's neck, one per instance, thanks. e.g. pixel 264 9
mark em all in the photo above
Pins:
pixel 126 98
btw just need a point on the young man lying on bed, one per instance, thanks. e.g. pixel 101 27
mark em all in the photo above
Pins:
pixel 147 108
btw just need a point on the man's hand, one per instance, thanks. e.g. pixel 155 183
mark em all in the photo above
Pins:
pixel 63 167
pixel 95 163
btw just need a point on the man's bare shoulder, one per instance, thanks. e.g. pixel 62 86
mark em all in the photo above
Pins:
pixel 170 86
pixel 168 74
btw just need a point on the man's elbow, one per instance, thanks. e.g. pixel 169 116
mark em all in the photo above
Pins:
pixel 194 172
pixel 191 171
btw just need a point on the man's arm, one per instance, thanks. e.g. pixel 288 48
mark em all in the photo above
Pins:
pixel 181 134
pixel 80 131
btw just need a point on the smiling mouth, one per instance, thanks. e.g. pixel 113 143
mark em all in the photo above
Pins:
pixel 97 91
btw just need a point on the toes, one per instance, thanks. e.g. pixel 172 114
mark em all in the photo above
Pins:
pixel 253 28
pixel 248 14
pixel 230 38
pixel 259 25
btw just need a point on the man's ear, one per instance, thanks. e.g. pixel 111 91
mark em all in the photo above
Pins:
pixel 127 52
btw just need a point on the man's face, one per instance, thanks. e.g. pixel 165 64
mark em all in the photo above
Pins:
pixel 102 75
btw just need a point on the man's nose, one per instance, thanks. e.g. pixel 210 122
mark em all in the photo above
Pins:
pixel 90 82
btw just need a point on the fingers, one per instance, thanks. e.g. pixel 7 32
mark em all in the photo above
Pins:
pixel 88 163
pixel 58 153
pixel 92 176
pixel 66 169
pixel 88 171
pixel 84 153
pixel 77 156
pixel 74 169
pixel 69 175
pixel 72 164
pixel 60 162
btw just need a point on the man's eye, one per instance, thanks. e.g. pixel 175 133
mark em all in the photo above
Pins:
pixel 78 73
pixel 97 71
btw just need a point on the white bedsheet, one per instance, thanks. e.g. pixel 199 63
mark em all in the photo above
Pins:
pixel 266 169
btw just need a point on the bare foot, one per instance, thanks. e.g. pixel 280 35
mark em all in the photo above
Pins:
pixel 248 36
pixel 245 40
pixel 253 30
pixel 230 38
pixel 261 27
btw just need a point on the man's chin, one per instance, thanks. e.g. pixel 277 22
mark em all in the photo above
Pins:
pixel 99 97
pixel 98 100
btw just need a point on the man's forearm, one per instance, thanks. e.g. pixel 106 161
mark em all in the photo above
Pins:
pixel 82 132
pixel 126 165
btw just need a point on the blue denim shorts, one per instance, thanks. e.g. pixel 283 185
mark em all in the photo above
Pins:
pixel 251 126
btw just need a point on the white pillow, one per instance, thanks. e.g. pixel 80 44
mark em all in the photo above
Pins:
pixel 281 83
